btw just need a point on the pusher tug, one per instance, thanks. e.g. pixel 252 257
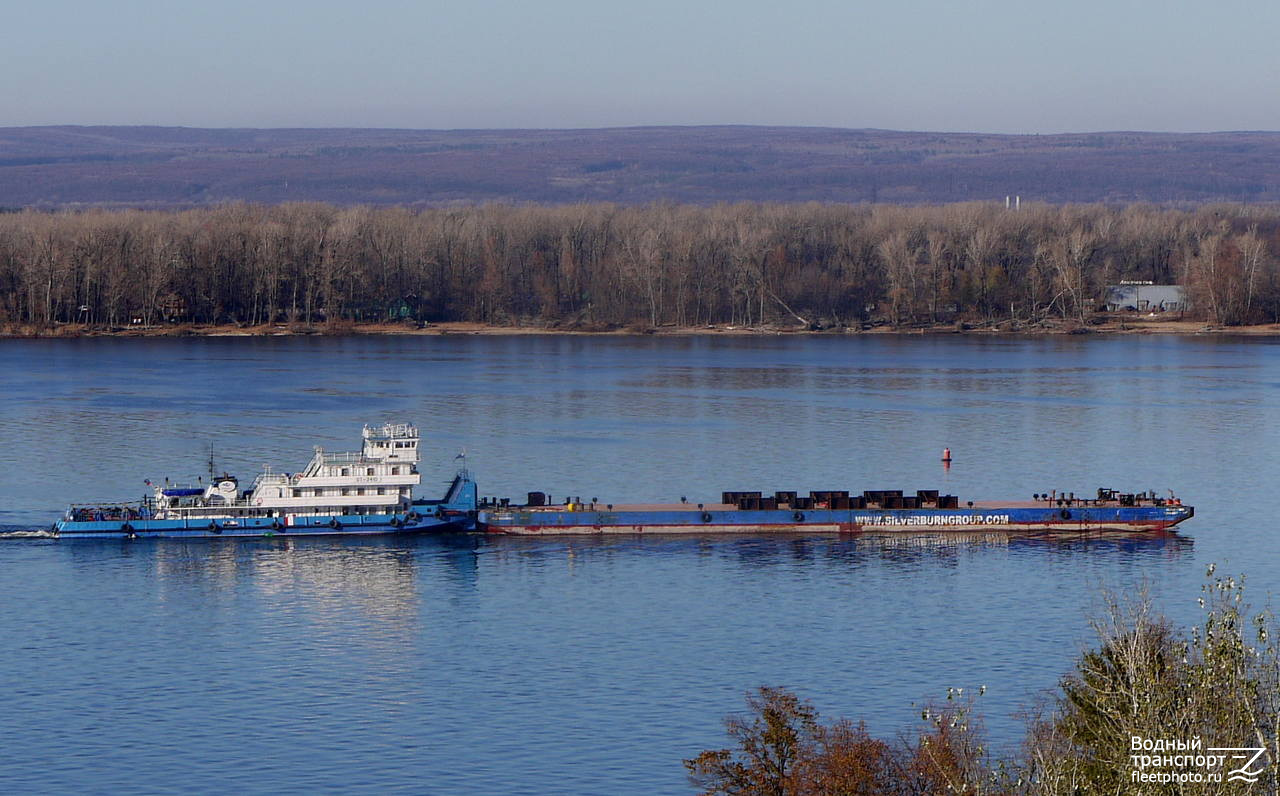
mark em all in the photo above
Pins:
pixel 365 492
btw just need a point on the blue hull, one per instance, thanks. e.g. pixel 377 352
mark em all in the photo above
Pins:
pixel 451 514
pixel 690 520
pixel 341 525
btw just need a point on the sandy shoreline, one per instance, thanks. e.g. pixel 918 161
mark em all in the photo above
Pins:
pixel 1111 326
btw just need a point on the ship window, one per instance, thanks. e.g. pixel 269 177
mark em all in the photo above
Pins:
pixel 370 472
pixel 359 491
pixel 381 491
pixel 346 491
pixel 346 471
pixel 395 471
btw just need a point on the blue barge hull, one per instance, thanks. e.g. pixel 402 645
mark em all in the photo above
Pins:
pixel 688 519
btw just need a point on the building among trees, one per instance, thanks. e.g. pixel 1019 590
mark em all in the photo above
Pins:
pixel 1146 297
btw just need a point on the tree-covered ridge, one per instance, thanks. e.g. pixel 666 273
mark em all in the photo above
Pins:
pixel 601 265
pixel 177 167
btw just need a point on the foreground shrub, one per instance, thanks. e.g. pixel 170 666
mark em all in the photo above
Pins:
pixel 1214 688
pixel 784 750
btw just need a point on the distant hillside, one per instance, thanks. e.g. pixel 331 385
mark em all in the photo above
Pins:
pixel 170 167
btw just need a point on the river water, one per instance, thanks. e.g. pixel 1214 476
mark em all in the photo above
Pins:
pixel 574 665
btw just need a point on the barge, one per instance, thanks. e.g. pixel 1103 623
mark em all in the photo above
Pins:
pixel 879 511
pixel 369 491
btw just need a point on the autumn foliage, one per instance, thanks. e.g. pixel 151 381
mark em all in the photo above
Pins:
pixel 783 749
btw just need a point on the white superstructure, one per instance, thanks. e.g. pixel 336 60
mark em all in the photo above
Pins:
pixel 377 479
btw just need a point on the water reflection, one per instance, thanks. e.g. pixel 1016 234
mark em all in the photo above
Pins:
pixel 376 578
pixel 896 549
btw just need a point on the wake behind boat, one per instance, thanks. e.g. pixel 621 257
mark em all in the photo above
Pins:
pixel 369 491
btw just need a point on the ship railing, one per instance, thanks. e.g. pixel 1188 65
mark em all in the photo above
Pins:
pixel 390 431
pixel 238 503
pixel 109 504
pixel 270 479
pixel 109 511
pixel 343 458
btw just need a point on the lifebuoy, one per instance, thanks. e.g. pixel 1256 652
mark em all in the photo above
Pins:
pixel 439 513
pixel 706 516
pixel 798 516
pixel 213 527
pixel 412 516
pixel 395 522
pixel 333 523
pixel 1064 514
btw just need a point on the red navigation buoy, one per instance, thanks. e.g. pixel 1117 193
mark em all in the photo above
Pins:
pixel 946 454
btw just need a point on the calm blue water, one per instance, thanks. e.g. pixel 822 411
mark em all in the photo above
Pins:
pixel 469 665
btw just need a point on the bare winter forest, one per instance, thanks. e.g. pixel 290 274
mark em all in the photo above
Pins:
pixel 595 266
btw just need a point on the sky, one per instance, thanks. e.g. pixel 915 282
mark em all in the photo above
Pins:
pixel 963 65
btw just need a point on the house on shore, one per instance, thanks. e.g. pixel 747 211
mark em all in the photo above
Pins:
pixel 1145 297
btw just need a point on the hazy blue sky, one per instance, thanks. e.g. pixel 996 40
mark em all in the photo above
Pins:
pixel 987 65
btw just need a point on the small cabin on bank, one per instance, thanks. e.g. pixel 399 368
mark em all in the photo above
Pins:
pixel 1145 297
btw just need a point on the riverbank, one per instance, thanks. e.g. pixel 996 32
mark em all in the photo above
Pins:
pixel 1110 325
